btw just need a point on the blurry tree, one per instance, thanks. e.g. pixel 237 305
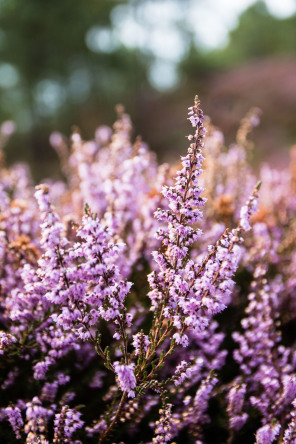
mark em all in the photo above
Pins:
pixel 58 68
pixel 259 34
pixel 256 67
pixel 62 63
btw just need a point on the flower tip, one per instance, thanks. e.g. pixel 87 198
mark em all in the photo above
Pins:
pixel 258 185
pixel 42 187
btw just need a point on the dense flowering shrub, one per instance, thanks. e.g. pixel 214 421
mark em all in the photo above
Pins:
pixel 148 304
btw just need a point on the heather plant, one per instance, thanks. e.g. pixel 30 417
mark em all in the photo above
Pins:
pixel 148 304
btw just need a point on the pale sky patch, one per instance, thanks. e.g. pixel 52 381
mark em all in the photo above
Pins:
pixel 158 27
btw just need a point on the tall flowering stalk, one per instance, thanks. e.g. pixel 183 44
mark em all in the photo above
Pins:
pixel 184 203
pixel 290 432
pixel 83 285
pixel 185 295
pixel 65 424
pixel 267 368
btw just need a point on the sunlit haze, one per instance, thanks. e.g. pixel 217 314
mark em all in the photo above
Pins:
pixel 162 29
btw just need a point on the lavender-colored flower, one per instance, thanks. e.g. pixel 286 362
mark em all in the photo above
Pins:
pixel 267 366
pixel 140 342
pixel 49 391
pixel 190 294
pixel 99 426
pixel 194 414
pixel 6 339
pixel 15 419
pixel 41 368
pixel 290 432
pixel 66 423
pixel 106 290
pixel 10 379
pixel 103 134
pixel 246 213
pixel 183 371
pixel 126 378
pixel 35 410
pixel 164 426
pixel 236 397
pixel 202 396
pixel 268 433
pixel 37 418
pixel 56 139
pixel 7 128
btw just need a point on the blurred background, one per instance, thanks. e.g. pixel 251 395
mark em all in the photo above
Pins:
pixel 69 62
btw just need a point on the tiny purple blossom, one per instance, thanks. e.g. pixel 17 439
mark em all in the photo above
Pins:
pixel 140 342
pixel 268 433
pixel 15 419
pixel 290 432
pixel 66 423
pixel 126 378
pixel 183 371
pixel 6 339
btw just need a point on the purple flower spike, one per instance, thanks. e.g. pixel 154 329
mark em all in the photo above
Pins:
pixel 126 378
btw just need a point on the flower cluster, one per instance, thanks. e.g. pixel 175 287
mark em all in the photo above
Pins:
pixel 290 433
pixel 16 421
pixel 65 424
pixel 140 342
pixel 126 378
pixel 148 303
pixel 6 340
pixel 183 371
pixel 237 416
